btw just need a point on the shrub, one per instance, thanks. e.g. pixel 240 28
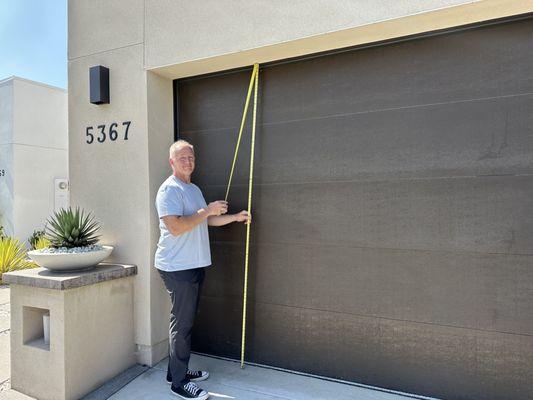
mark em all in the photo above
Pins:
pixel 42 243
pixel 34 238
pixel 12 256
pixel 68 228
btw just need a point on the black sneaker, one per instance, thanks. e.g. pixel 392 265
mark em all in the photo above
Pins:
pixel 189 390
pixel 195 376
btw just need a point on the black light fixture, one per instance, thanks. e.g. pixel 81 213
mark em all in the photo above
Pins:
pixel 99 84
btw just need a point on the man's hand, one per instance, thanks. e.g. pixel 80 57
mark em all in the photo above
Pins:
pixel 243 216
pixel 221 220
pixel 218 207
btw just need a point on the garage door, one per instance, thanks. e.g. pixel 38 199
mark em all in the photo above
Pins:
pixel 393 223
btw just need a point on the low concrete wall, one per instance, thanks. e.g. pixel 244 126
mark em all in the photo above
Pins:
pixel 91 330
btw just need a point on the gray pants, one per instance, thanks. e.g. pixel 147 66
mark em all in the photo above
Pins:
pixel 184 289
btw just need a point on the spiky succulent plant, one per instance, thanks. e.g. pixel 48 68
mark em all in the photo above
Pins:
pixel 68 228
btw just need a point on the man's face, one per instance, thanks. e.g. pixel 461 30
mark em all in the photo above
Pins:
pixel 183 161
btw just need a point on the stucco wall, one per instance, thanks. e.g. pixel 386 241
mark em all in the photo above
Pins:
pixel 6 156
pixel 222 27
pixel 40 152
pixel 182 39
pixel 111 178
pixel 34 152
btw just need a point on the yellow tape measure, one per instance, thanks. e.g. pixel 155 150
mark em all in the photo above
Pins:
pixel 254 83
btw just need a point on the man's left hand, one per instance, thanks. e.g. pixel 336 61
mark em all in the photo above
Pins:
pixel 243 216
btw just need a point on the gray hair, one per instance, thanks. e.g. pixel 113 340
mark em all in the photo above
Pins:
pixel 177 146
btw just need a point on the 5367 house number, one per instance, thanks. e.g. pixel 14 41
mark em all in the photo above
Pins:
pixel 101 133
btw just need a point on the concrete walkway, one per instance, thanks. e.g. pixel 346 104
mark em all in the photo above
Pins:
pixel 228 381
pixel 4 338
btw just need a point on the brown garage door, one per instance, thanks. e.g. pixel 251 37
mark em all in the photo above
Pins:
pixel 393 227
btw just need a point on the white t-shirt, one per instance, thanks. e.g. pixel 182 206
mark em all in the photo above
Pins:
pixel 190 249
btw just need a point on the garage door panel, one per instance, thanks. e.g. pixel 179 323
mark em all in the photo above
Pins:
pixel 476 64
pixel 475 138
pixel 489 214
pixel 487 62
pixel 209 106
pixel 489 292
pixel 492 137
pixel 414 357
pixel 213 167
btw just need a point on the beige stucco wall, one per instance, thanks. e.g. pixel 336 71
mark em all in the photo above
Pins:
pixel 223 27
pixel 111 178
pixel 182 39
pixel 160 123
pixel 146 44
pixel 39 360
pixel 91 338
pixel 101 25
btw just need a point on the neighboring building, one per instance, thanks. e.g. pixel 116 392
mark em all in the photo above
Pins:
pixel 393 227
pixel 33 154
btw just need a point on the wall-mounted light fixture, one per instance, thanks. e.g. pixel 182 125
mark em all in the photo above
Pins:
pixel 99 84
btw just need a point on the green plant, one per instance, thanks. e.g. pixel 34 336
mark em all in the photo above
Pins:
pixel 34 238
pixel 68 228
pixel 12 256
pixel 42 243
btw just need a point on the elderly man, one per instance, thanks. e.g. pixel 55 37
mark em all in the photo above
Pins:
pixel 182 255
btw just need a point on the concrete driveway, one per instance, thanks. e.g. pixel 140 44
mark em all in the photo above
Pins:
pixel 228 381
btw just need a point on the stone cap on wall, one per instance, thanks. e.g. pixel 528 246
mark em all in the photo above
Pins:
pixel 44 278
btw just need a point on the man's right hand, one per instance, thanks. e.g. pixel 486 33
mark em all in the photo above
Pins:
pixel 218 207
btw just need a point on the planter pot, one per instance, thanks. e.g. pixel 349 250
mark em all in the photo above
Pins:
pixel 70 261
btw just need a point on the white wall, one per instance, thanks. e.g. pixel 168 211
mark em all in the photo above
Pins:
pixel 40 152
pixel 6 155
pixel 39 115
pixel 35 152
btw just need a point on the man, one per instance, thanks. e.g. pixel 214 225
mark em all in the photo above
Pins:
pixel 181 257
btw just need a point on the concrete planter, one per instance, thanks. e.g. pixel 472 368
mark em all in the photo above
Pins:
pixel 71 332
pixel 70 261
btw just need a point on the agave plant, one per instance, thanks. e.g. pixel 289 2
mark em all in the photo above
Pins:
pixel 12 256
pixel 68 228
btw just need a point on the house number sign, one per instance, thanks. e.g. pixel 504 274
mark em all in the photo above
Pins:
pixel 101 133
pixel 2 172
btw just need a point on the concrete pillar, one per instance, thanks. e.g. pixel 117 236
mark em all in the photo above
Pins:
pixel 116 178
pixel 90 329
